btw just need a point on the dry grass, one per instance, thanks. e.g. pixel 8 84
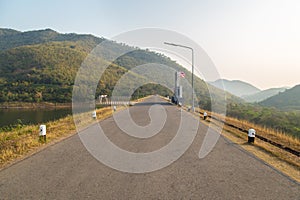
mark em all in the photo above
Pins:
pixel 25 140
pixel 274 135
pixel 274 156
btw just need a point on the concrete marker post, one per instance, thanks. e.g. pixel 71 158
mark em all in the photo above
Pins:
pixel 251 135
pixel 204 115
pixel 94 115
pixel 43 133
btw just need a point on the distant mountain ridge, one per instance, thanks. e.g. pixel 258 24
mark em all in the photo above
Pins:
pixel 264 94
pixel 6 31
pixel 287 100
pixel 246 91
pixel 236 87
pixel 10 38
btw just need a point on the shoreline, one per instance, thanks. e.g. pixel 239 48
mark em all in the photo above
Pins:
pixel 25 141
pixel 26 105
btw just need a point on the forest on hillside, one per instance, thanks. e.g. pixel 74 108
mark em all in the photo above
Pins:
pixel 41 66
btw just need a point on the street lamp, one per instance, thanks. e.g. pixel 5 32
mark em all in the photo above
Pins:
pixel 190 48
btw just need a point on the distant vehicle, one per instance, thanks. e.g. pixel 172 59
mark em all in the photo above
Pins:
pixel 174 100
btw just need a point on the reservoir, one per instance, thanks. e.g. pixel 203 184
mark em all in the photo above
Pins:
pixel 31 116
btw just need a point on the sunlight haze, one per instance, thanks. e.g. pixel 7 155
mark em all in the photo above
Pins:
pixel 254 41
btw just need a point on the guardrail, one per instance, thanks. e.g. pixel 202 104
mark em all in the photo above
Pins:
pixel 285 148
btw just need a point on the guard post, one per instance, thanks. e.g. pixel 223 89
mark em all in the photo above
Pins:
pixel 42 133
pixel 204 115
pixel 94 115
pixel 251 135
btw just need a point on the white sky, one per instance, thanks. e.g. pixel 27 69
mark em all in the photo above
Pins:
pixel 257 41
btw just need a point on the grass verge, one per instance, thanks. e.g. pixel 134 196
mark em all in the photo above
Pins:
pixel 283 161
pixel 23 141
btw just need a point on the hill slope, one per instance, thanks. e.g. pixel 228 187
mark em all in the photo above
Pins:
pixel 11 38
pixel 262 95
pixel 287 100
pixel 236 87
pixel 42 67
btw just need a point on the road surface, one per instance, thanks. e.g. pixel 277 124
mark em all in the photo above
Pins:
pixel 67 170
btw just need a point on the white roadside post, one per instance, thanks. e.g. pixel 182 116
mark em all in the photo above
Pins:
pixel 42 133
pixel 251 135
pixel 94 115
pixel 204 115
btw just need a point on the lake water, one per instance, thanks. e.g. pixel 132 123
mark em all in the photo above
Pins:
pixel 31 116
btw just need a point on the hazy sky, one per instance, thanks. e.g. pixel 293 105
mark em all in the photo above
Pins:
pixel 257 41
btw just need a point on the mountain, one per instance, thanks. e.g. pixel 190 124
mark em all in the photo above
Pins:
pixel 236 87
pixel 8 32
pixel 264 94
pixel 41 65
pixel 245 90
pixel 10 38
pixel 287 100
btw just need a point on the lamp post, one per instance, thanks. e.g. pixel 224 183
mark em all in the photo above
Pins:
pixel 190 48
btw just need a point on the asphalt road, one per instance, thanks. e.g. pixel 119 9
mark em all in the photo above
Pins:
pixel 67 170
